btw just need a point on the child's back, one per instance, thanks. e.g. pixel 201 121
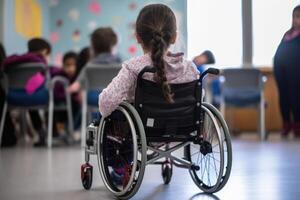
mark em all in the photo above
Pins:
pixel 155 31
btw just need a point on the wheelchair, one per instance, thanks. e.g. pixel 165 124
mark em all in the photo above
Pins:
pixel 150 130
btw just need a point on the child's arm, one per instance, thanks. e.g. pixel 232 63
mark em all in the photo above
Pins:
pixel 116 91
pixel 74 87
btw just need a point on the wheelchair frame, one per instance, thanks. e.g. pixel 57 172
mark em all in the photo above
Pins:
pixel 94 141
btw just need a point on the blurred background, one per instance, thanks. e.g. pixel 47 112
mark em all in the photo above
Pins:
pixel 48 97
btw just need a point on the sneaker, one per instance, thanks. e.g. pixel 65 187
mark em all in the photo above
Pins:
pixel 116 178
pixel 42 140
pixel 40 143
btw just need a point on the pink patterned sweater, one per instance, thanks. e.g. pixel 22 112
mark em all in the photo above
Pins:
pixel 122 87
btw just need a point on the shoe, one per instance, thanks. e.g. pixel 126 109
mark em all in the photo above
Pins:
pixel 117 178
pixel 296 128
pixel 40 143
pixel 287 127
pixel 42 140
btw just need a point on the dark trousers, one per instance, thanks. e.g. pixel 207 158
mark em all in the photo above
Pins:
pixel 36 120
pixel 288 82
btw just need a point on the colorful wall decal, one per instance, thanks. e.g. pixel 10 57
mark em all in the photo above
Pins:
pixel 54 37
pixel 116 20
pixel 132 6
pixel 74 14
pixel 92 25
pixel 132 50
pixel 59 23
pixel 76 35
pixel 94 7
pixel 28 18
pixel 76 48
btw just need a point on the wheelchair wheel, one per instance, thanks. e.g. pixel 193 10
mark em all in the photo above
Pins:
pixel 166 172
pixel 225 135
pixel 122 151
pixel 86 176
pixel 207 154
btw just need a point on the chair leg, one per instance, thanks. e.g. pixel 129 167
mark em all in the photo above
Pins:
pixel 70 114
pixel 50 123
pixel 2 122
pixel 83 118
pixel 262 128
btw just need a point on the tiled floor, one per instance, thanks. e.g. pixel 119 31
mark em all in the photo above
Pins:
pixel 269 170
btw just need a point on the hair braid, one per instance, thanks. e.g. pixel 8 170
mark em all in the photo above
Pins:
pixel 157 54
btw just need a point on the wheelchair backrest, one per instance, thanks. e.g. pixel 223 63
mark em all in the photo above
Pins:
pixel 18 75
pixel 99 76
pixel 156 113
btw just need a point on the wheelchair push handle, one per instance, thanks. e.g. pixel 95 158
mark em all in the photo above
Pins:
pixel 210 70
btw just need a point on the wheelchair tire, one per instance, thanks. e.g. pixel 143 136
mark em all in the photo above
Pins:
pixel 207 155
pixel 166 172
pixel 87 176
pixel 226 145
pixel 133 140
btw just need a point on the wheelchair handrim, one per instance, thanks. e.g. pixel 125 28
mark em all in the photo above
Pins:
pixel 196 179
pixel 228 166
pixel 100 156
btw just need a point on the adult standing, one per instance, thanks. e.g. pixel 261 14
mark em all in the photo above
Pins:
pixel 287 75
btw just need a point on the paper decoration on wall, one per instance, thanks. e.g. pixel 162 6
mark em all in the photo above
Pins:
pixel 58 59
pixel 116 20
pixel 76 35
pixel 53 3
pixel 54 37
pixel 132 50
pixel 92 25
pixel 132 6
pixel 59 23
pixel 131 25
pixel 28 18
pixel 74 14
pixel 76 48
pixel 94 7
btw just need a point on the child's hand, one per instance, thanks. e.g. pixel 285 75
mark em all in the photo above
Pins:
pixel 75 87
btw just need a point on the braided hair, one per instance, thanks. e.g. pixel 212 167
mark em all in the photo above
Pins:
pixel 156 26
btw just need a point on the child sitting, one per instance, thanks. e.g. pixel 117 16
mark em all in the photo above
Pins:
pixel 38 52
pixel 103 41
pixel 206 57
pixel 155 31
pixel 68 71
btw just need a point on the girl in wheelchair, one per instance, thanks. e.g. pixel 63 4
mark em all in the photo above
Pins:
pixel 168 108
pixel 155 31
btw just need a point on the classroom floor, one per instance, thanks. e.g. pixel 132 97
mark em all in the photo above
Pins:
pixel 269 170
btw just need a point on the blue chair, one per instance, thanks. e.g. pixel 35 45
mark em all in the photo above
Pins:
pixel 97 77
pixel 15 78
pixel 244 87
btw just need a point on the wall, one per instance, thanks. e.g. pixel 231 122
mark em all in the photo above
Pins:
pixel 14 41
pixel 68 24
pixel 71 23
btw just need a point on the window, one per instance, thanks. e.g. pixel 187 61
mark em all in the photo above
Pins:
pixel 217 26
pixel 271 19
